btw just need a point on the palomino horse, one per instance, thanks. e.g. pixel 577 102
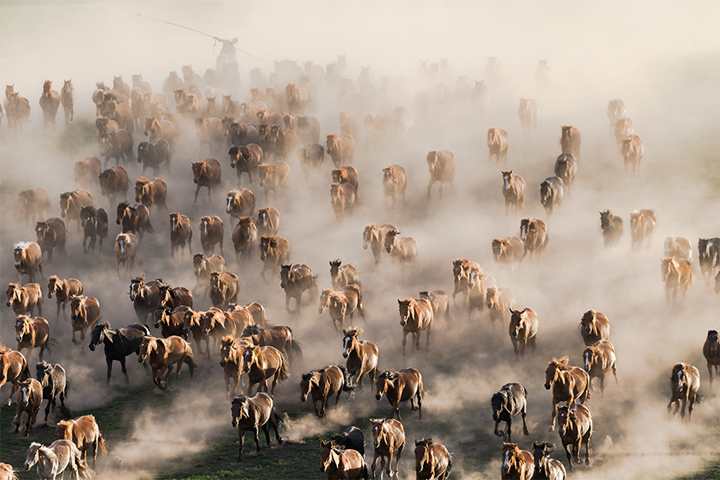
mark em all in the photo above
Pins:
pixel 53 461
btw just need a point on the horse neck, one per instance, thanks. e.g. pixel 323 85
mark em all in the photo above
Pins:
pixel 47 459
pixel 356 350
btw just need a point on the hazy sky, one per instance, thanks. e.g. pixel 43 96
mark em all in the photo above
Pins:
pixel 88 36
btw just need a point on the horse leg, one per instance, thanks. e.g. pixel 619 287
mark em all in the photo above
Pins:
pixel 266 430
pixel 524 414
pixel 404 341
pixel 569 456
pixel 274 424
pixel 197 190
pixel 552 418
pixel 124 371
pixel 587 451
pixel 241 437
pixel 47 410
pixel 419 402
pixel 374 466
pixel 710 372
pixel 691 406
pixel 257 438
pixel 683 407
pixel 323 405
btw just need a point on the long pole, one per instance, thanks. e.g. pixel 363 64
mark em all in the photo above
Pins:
pixel 184 27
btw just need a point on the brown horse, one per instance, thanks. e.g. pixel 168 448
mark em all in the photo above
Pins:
pixel 252 414
pixel 342 463
pixel 547 468
pixel 13 369
pixel 576 427
pixel 517 464
pixel 63 289
pixel 568 384
pixel 497 301
pixel 84 313
pixel 462 270
pixel 401 386
pixel 322 384
pixel 416 315
pixel 231 359
pixel 677 274
pixel 642 226
pixel 343 275
pixel 262 364
pixel 274 252
pixel 296 279
pixel 432 460
pixel 24 298
pixel 374 237
pixel 32 332
pixel 711 352
pixel 362 357
pixel 684 385
pixel 7 472
pixel 523 329
pixel 49 102
pixel 594 326
pixel 29 399
pixel 85 433
pixel 599 359
pixel 341 304
pixel 66 99
pixel 497 143
pixel 162 354
pixel 388 443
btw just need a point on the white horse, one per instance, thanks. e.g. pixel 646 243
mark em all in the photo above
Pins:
pixel 52 461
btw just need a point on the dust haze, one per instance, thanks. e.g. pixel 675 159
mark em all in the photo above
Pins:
pixel 662 58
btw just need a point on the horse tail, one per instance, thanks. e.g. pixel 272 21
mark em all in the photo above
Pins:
pixel 294 350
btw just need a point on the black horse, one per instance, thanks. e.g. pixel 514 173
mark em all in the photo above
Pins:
pixel 118 343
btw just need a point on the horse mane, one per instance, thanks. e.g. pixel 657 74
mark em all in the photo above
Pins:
pixel 562 361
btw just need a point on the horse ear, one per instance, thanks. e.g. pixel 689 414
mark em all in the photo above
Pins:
pixel 564 360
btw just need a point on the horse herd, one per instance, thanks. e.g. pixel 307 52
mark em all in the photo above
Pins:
pixel 259 138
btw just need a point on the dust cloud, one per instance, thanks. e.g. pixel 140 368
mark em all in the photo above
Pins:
pixel 662 58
